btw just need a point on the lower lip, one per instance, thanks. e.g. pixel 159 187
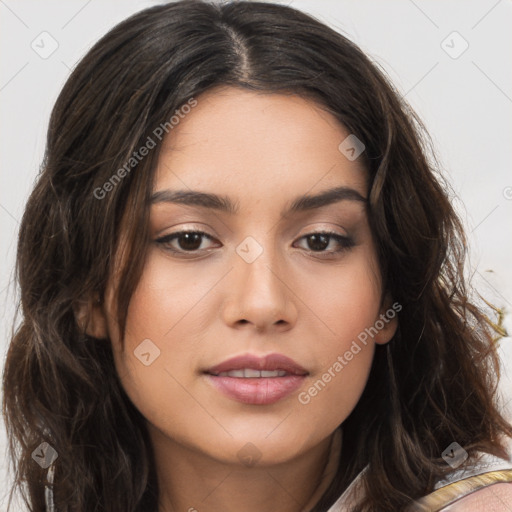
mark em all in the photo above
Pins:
pixel 257 391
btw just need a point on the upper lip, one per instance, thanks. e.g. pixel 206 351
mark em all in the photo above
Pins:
pixel 269 362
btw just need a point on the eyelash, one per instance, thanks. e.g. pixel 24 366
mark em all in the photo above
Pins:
pixel 345 242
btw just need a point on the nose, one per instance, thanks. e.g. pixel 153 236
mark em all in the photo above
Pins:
pixel 259 295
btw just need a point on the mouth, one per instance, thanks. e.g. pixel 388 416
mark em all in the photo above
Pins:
pixel 250 373
pixel 257 380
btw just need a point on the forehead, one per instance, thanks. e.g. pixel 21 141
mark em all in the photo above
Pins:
pixel 262 144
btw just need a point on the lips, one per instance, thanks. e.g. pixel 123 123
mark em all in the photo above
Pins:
pixel 269 363
pixel 257 380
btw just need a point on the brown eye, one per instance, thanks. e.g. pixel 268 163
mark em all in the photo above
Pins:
pixel 189 241
pixel 184 241
pixel 318 242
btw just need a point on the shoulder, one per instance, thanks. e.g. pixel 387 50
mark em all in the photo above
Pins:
pixel 493 498
pixel 485 492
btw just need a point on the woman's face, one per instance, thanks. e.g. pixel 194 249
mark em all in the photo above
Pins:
pixel 255 284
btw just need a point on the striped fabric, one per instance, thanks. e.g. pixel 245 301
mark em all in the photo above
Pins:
pixel 449 494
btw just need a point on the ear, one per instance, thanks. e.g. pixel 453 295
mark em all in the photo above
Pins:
pixel 387 321
pixel 91 318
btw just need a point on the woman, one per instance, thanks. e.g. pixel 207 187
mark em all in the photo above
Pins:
pixel 242 284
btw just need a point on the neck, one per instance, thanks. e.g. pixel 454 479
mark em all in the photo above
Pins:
pixel 192 481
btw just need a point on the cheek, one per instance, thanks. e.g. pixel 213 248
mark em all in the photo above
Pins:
pixel 156 323
pixel 343 300
pixel 349 309
pixel 349 305
pixel 165 305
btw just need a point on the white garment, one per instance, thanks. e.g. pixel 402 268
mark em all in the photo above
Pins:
pixel 48 493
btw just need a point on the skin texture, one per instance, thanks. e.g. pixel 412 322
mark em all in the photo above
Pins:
pixel 261 150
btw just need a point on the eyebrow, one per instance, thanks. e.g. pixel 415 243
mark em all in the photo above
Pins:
pixel 223 203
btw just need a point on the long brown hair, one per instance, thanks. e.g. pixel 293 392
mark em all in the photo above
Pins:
pixel 431 385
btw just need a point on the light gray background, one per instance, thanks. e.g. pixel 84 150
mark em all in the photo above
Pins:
pixel 466 103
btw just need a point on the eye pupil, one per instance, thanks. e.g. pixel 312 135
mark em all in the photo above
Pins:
pixel 192 241
pixel 319 241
